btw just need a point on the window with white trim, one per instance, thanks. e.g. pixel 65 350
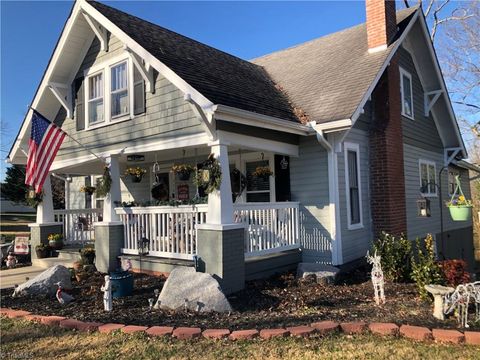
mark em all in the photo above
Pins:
pixel 406 93
pixel 428 178
pixel 95 99
pixel 120 101
pixel 113 91
pixel 258 188
pixel 353 186
pixel 452 173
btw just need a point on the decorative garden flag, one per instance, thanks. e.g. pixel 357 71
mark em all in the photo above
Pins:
pixel 45 140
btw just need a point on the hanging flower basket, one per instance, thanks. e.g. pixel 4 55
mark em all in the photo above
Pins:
pixel 460 213
pixel 135 173
pixel 460 208
pixel 183 171
pixel 89 190
pixel 262 172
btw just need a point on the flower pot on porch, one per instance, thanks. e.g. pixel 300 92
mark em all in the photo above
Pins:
pixel 55 244
pixel 460 212
pixel 184 175
pixel 137 179
pixel 42 253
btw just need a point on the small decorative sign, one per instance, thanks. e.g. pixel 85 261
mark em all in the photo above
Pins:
pixel 136 157
pixel 183 192
pixel 21 245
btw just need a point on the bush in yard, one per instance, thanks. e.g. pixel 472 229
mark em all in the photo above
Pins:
pixel 425 269
pixel 395 253
pixel 454 272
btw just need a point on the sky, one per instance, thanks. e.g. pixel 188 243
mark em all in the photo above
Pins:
pixel 30 29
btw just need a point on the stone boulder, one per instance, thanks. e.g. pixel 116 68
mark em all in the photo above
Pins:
pixel 196 291
pixel 325 274
pixel 45 283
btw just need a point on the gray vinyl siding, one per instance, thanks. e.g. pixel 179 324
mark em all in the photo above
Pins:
pixel 355 243
pixel 309 186
pixel 422 131
pixel 167 115
pixel 420 226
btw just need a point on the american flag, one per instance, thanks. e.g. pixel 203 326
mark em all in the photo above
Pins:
pixel 45 140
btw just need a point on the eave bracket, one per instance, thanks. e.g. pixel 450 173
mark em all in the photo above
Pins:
pixel 430 101
pixel 145 70
pixel 100 32
pixel 61 92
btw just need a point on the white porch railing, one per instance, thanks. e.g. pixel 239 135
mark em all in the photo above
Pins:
pixel 77 224
pixel 270 227
pixel 171 230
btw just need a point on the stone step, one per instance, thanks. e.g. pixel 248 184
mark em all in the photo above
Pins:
pixel 49 262
pixel 70 254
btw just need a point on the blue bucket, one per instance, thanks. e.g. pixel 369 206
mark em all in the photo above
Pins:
pixel 122 283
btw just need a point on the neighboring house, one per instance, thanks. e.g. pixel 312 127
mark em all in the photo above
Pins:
pixel 357 127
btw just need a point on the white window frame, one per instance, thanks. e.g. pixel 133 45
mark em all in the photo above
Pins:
pixel 87 103
pixel 405 73
pixel 355 148
pixel 428 163
pixel 452 170
pixel 106 67
pixel 128 88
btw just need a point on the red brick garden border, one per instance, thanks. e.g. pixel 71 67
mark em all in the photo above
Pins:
pixel 318 328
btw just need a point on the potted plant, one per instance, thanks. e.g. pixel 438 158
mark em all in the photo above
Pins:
pixel 89 190
pixel 104 183
pixel 42 251
pixel 460 208
pixel 183 171
pixel 55 241
pixel 263 172
pixel 135 173
pixel 88 255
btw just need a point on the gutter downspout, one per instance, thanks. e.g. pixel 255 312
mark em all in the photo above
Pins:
pixel 333 194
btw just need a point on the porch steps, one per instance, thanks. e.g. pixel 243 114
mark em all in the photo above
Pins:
pixel 49 262
pixel 66 257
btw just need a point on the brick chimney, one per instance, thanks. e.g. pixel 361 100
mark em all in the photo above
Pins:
pixel 381 23
pixel 387 179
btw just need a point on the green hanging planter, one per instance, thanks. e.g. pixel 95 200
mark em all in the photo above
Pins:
pixel 460 213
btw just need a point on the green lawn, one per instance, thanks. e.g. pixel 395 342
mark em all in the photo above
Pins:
pixel 24 340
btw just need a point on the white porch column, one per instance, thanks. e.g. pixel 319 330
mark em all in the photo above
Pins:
pixel 220 206
pixel 45 208
pixel 109 214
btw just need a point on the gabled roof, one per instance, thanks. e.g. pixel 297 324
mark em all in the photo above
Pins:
pixel 220 77
pixel 327 77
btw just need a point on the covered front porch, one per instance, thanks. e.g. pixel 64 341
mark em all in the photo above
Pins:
pixel 165 215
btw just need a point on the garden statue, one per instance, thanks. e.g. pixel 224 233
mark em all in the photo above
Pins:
pixel 460 300
pixel 62 297
pixel 11 261
pixel 439 292
pixel 126 265
pixel 151 303
pixel 377 277
pixel 107 294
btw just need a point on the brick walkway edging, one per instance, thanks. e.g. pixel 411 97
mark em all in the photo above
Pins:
pixel 318 328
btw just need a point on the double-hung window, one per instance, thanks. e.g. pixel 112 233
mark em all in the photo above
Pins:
pixel 428 178
pixel 115 91
pixel 95 99
pixel 120 101
pixel 353 186
pixel 406 92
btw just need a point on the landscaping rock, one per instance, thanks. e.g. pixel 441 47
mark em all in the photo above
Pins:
pixel 419 333
pixel 325 274
pixel 108 328
pixel 273 333
pixel 186 333
pixel 216 333
pixel 325 327
pixel 448 336
pixel 196 291
pixel 243 334
pixel 45 283
pixel 160 331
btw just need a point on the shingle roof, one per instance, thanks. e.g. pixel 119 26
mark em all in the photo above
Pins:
pixel 220 77
pixel 326 77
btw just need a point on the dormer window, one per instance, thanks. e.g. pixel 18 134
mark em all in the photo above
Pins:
pixel 406 93
pixel 113 91
pixel 119 90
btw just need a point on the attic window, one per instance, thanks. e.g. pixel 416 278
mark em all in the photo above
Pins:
pixel 406 93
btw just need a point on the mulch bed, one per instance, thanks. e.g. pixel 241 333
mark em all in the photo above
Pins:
pixel 280 301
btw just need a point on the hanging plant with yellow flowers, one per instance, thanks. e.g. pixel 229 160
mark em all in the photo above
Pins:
pixel 135 173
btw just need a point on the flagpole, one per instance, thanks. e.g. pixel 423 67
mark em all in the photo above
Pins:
pixel 71 137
